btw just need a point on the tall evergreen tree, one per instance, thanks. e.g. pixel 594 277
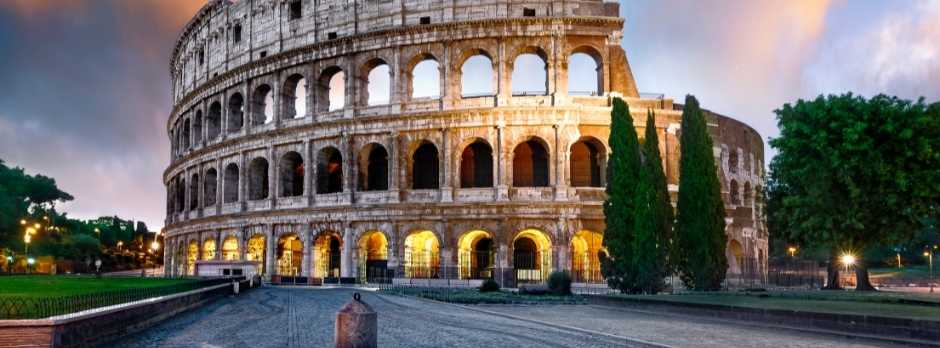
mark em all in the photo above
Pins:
pixel 700 224
pixel 653 216
pixel 623 169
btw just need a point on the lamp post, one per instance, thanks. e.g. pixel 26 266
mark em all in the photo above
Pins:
pixel 929 255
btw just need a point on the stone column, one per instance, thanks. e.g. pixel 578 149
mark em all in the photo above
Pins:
pixel 269 254
pixel 447 191
pixel 308 243
pixel 503 73
pixel 243 182
pixel 393 171
pixel 218 245
pixel 219 186
pixel 346 262
pixel 309 164
pixel 561 187
pixel 273 182
pixel 502 186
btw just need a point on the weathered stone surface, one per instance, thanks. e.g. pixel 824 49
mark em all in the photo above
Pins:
pixel 356 325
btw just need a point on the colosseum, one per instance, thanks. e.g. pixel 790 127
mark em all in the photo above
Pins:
pixel 373 140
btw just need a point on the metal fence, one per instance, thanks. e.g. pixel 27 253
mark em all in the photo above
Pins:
pixel 28 307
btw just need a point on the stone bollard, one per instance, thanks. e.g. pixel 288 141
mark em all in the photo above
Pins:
pixel 356 325
pixel 235 286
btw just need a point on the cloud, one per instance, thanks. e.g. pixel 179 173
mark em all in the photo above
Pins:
pixel 32 9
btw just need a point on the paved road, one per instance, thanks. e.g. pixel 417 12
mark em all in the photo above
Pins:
pixel 303 317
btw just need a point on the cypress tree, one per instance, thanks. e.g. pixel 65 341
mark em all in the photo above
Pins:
pixel 700 224
pixel 623 168
pixel 653 217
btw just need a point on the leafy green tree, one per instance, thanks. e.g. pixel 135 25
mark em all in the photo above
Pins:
pixel 700 224
pixel 855 173
pixel 653 217
pixel 623 169
pixel 19 193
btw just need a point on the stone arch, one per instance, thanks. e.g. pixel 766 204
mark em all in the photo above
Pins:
pixel 258 179
pixel 329 170
pixel 262 105
pixel 733 192
pixel 735 257
pixel 236 112
pixel 373 168
pixel 525 67
pixel 294 97
pixel 476 254
pixel 587 162
pixel 477 71
pixel 733 161
pixel 373 256
pixel 425 166
pixel 578 65
pixel 230 249
pixel 214 121
pixel 209 249
pixel 192 254
pixel 376 83
pixel 531 163
pixel 197 128
pixel 255 250
pixel 586 249
pixel 210 187
pixel 194 191
pixel 424 69
pixel 230 189
pixel 290 254
pixel 476 164
pixel 180 194
pixel 328 246
pixel 422 254
pixel 291 174
pixel 331 89
pixel 531 255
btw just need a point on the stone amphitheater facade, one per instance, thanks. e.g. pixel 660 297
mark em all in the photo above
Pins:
pixel 281 157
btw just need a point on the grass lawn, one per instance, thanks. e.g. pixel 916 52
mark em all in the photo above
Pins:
pixel 911 272
pixel 59 286
pixel 883 304
pixel 474 296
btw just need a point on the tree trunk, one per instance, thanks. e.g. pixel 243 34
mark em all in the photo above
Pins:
pixel 832 272
pixel 862 283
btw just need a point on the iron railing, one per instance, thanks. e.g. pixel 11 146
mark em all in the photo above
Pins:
pixel 29 307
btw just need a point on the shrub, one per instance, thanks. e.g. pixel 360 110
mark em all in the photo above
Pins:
pixel 489 285
pixel 534 289
pixel 559 282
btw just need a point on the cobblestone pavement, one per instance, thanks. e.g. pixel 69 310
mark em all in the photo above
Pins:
pixel 675 330
pixel 303 317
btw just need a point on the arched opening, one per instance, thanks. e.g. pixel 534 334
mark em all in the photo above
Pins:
pixel 476 77
pixel 476 255
pixel 373 257
pixel 197 128
pixel 255 251
pixel 290 254
pixel 194 192
pixel 746 193
pixel 733 161
pixel 180 194
pixel 208 249
pixel 258 179
pixel 379 84
pixel 531 256
pixel 530 165
pixel 294 100
pixel 230 249
pixel 331 86
pixel 476 165
pixel 262 106
pixel 180 261
pixel 292 175
pixel 426 79
pixel 373 168
pixel 230 191
pixel 210 187
pixel 735 257
pixel 192 254
pixel 584 73
pixel 586 248
pixel 329 171
pixel 422 255
pixel 186 135
pixel 214 121
pixel 530 74
pixel 327 248
pixel 425 167
pixel 587 158
pixel 236 113
pixel 733 192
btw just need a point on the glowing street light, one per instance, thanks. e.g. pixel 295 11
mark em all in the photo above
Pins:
pixel 792 251
pixel 848 260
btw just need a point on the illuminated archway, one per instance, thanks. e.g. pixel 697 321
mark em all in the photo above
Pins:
pixel 230 249
pixel 327 248
pixel 586 248
pixel 735 257
pixel 254 252
pixel 476 255
pixel 422 255
pixel 290 255
pixel 191 256
pixel 532 256
pixel 208 249
pixel 373 256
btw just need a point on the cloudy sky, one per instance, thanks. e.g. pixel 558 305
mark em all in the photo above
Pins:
pixel 84 86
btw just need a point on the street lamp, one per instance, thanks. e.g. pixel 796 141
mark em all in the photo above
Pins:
pixel 848 260
pixel 929 255
pixel 29 262
pixel 792 251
